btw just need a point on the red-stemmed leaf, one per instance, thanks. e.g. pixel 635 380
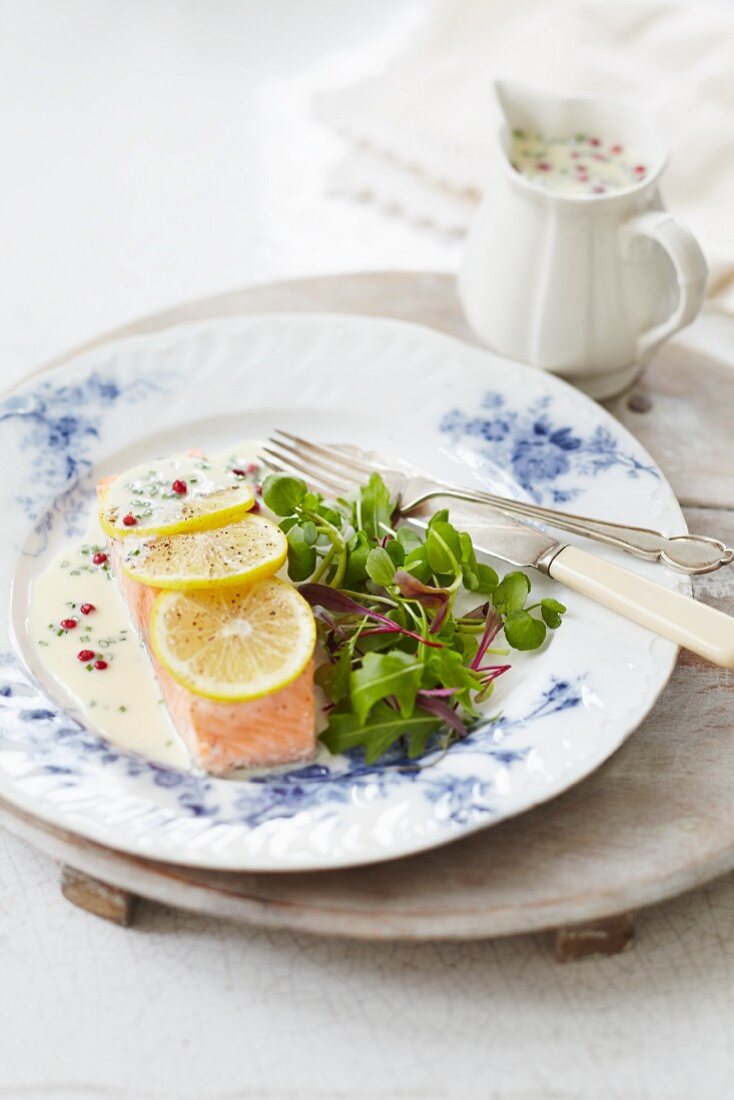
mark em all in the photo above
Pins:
pixel 443 711
pixel 492 628
pixel 321 595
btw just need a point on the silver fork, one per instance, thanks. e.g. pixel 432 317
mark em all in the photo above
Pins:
pixel 343 470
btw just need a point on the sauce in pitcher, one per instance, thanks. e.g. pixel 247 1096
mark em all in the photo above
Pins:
pixel 578 165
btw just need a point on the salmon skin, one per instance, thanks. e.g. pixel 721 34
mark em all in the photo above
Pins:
pixel 276 729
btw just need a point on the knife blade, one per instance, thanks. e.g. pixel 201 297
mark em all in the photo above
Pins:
pixel 497 535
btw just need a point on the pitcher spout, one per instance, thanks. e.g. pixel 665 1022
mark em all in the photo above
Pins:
pixel 524 108
pixel 531 111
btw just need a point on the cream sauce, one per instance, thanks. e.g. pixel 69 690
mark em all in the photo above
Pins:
pixel 121 701
pixel 578 165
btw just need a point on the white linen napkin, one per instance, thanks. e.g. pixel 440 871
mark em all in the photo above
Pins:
pixel 421 133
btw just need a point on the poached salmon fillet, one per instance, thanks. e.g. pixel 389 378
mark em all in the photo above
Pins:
pixel 277 728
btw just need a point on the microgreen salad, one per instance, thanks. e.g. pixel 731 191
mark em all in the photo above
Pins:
pixel 407 622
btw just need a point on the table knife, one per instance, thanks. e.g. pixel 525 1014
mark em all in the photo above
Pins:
pixel 681 619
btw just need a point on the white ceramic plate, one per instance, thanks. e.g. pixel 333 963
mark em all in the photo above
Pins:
pixel 401 389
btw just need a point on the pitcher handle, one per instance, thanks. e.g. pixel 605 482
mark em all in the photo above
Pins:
pixel 690 266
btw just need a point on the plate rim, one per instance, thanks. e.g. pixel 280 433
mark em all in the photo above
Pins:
pixel 76 358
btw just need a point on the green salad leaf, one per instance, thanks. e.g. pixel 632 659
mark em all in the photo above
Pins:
pixel 379 732
pixel 396 675
pixel 380 566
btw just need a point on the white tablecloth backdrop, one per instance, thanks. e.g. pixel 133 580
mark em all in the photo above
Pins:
pixel 153 152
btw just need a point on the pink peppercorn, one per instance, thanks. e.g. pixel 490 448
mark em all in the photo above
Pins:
pixel 85 655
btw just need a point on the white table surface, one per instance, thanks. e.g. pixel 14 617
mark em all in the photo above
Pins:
pixel 153 151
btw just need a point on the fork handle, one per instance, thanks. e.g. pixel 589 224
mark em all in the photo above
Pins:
pixel 680 619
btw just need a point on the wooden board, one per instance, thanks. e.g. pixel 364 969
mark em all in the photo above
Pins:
pixel 655 820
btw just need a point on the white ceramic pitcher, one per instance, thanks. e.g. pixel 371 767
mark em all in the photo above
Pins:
pixel 585 286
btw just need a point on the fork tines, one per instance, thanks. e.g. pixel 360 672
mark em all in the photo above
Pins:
pixel 327 469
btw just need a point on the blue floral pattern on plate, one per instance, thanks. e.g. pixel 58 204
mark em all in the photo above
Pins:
pixel 59 425
pixel 542 453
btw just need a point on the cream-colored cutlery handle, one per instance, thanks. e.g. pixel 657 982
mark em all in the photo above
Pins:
pixel 688 623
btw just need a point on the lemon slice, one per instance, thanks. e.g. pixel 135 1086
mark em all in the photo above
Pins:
pixel 171 495
pixel 242 553
pixel 233 644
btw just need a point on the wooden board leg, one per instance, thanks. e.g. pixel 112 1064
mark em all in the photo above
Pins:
pixel 109 902
pixel 601 937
